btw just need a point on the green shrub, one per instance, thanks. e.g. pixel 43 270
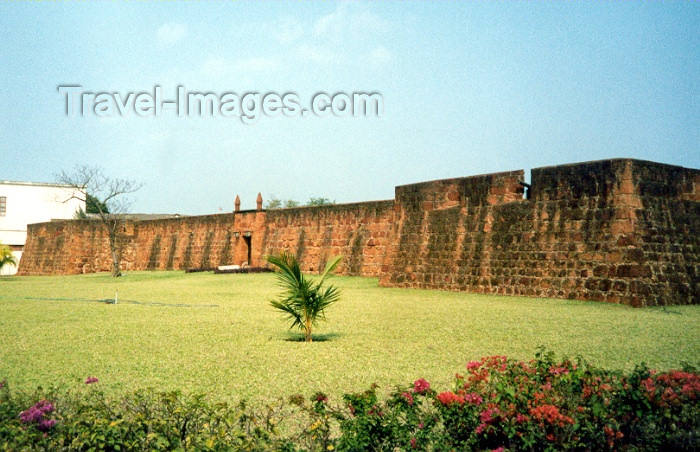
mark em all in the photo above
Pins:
pixel 144 420
pixel 498 404
pixel 501 404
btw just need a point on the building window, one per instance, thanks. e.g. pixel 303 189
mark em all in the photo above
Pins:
pixel 3 205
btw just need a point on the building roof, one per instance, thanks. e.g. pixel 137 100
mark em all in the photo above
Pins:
pixel 34 184
pixel 131 216
pixel 151 216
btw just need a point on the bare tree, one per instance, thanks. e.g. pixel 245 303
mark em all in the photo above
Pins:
pixel 108 195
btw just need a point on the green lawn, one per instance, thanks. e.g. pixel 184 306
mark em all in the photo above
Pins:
pixel 227 341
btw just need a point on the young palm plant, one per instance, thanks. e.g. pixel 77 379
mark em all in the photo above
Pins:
pixel 303 300
pixel 6 257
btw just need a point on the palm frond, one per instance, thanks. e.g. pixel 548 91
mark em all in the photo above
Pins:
pixel 330 266
pixel 6 256
pixel 303 300
pixel 291 311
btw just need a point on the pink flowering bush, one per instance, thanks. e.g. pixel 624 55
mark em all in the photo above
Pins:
pixel 502 404
pixel 39 416
pixel 498 404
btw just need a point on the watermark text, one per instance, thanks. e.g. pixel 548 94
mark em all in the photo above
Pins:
pixel 249 107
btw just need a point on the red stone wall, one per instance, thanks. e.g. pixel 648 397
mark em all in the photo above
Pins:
pixel 666 235
pixel 360 232
pixel 621 231
pixel 443 231
pixel 71 247
pixel 615 230
pixel 200 242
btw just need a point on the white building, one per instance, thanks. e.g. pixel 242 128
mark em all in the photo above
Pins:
pixel 23 203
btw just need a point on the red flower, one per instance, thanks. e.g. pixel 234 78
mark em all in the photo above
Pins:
pixel 490 415
pixel 551 415
pixel 473 398
pixel 408 397
pixel 420 386
pixel 495 362
pixel 691 389
pixel 558 370
pixel 521 418
pixel 450 398
pixel 471 365
pixel 478 375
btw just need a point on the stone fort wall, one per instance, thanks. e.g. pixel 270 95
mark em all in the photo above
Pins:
pixel 620 231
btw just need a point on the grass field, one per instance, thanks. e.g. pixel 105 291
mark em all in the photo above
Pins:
pixel 217 334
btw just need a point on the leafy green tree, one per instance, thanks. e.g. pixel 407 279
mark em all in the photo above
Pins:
pixel 276 203
pixel 273 203
pixel 80 214
pixel 6 257
pixel 319 202
pixel 303 300
pixel 94 205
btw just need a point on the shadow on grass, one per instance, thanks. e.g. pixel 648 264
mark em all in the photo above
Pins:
pixel 666 310
pixel 299 337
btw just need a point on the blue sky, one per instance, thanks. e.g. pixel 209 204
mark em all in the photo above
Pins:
pixel 468 88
